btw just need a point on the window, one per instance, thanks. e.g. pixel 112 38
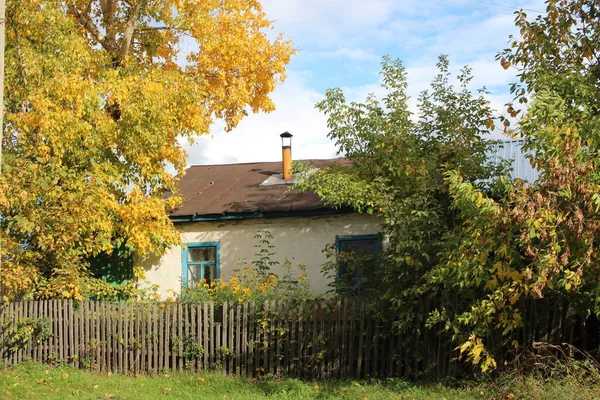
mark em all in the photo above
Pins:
pixel 200 261
pixel 115 266
pixel 355 253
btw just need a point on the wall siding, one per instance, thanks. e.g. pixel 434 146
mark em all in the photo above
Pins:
pixel 300 239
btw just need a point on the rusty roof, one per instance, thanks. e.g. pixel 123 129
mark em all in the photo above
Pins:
pixel 212 190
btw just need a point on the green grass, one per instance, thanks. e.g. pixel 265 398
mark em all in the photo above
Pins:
pixel 41 382
pixel 532 388
pixel 37 381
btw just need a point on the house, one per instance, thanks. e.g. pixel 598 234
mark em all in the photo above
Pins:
pixel 224 206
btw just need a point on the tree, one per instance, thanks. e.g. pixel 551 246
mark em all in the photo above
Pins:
pixel 481 243
pixel 538 241
pixel 397 170
pixel 99 96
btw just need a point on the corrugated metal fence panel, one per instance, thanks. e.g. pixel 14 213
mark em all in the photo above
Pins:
pixel 512 150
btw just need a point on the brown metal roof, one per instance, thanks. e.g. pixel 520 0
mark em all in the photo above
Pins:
pixel 235 189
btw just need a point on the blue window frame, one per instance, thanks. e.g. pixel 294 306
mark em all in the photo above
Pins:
pixel 364 244
pixel 199 261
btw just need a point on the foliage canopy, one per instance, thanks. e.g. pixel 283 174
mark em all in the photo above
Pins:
pixel 398 164
pixel 539 241
pixel 100 94
pixel 460 232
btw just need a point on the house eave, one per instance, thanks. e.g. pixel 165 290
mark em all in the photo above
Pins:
pixel 259 214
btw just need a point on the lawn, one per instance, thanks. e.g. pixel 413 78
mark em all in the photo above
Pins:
pixel 37 381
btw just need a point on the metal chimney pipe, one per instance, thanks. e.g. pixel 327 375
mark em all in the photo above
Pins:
pixel 286 150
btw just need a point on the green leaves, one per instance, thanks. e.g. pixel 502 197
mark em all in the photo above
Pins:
pixel 457 232
pixel 397 172
pixel 532 241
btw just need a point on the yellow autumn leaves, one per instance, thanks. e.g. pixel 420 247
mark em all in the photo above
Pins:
pixel 248 285
pixel 96 116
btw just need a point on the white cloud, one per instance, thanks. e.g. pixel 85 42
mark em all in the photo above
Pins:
pixel 257 137
pixel 356 54
pixel 320 23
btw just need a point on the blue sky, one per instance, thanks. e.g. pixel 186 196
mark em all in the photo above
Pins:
pixel 340 44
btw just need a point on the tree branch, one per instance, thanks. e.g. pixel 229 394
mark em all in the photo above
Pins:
pixel 156 28
pixel 20 57
pixel 108 18
pixel 128 34
pixel 89 26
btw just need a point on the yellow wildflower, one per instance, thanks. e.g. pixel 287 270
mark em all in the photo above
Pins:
pixel 247 291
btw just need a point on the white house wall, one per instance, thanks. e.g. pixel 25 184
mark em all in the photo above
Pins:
pixel 299 239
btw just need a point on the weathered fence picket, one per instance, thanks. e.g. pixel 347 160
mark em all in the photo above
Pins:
pixel 338 338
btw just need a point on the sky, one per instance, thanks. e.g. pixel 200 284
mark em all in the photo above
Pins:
pixel 340 43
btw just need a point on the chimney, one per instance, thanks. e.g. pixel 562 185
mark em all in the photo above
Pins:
pixel 286 149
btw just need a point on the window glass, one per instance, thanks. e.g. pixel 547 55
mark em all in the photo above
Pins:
pixel 210 273
pixel 355 258
pixel 194 273
pixel 362 246
pixel 202 254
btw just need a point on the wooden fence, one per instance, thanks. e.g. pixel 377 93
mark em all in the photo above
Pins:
pixel 309 340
